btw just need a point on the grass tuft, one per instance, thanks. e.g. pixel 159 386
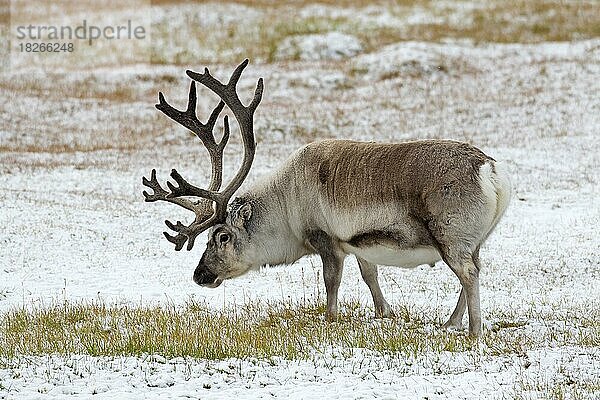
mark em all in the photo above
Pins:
pixel 258 330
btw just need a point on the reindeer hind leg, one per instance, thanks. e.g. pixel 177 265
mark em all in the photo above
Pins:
pixel 369 275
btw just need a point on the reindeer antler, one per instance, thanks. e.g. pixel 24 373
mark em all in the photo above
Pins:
pixel 205 215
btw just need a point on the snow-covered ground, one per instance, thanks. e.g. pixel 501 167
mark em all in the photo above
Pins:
pixel 75 226
pixel 361 376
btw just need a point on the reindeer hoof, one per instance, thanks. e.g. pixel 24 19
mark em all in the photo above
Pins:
pixel 384 312
pixel 453 326
pixel 331 316
pixel 475 333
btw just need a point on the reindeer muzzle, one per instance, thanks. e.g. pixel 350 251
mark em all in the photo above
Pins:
pixel 206 278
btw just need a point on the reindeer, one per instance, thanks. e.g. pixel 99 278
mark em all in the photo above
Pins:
pixel 402 204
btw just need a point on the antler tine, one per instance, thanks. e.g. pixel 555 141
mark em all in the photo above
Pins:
pixel 225 137
pixel 178 240
pixel 257 95
pixel 210 124
pixel 187 189
pixel 190 232
pixel 161 194
pixel 227 92
pixel 237 72
pixel 189 119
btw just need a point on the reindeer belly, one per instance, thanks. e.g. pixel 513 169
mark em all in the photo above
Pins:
pixel 392 247
pixel 382 254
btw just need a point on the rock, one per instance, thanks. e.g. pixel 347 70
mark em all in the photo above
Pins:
pixel 401 59
pixel 314 47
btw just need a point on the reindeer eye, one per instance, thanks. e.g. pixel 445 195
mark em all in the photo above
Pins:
pixel 223 238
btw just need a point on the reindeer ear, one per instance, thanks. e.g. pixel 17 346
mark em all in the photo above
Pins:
pixel 242 215
pixel 245 211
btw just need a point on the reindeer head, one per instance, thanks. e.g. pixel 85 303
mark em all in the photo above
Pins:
pixel 229 251
pixel 225 255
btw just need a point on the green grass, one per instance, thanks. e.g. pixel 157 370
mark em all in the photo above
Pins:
pixel 260 330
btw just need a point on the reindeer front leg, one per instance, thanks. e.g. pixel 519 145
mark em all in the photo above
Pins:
pixel 333 265
pixel 332 274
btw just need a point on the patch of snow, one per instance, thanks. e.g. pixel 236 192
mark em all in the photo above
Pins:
pixel 328 46
pixel 362 375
